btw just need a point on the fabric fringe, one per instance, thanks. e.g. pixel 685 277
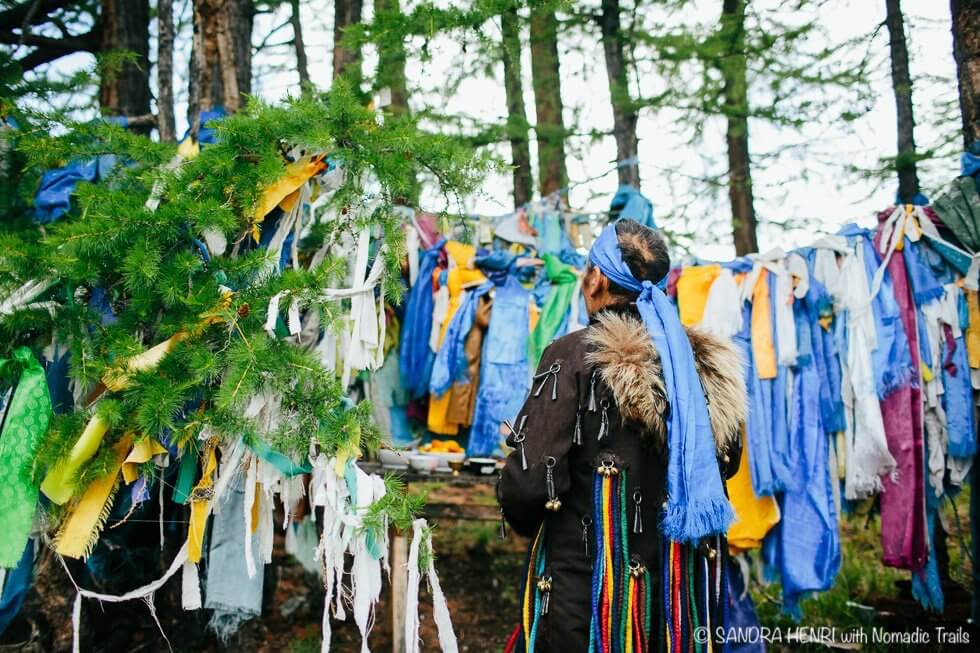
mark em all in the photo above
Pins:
pixel 440 610
pixel 412 638
pixel 697 520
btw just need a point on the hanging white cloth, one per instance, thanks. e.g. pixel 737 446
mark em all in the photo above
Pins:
pixel 440 610
pixel 367 322
pixel 866 449
pixel 723 307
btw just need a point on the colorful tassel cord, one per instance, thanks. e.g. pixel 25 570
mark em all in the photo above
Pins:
pixel 531 611
pixel 621 589
pixel 693 581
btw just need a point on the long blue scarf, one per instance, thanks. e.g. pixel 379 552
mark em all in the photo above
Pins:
pixel 696 501
pixel 451 364
pixel 414 353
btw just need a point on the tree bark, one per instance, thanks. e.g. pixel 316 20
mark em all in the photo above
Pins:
pixel 124 90
pixel 302 67
pixel 346 61
pixel 221 62
pixel 165 71
pixel 908 180
pixel 624 113
pixel 391 63
pixel 517 126
pixel 734 71
pixel 966 51
pixel 550 125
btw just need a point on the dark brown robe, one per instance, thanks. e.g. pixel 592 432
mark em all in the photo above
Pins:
pixel 616 349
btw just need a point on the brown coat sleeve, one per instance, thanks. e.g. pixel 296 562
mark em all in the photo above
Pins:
pixel 550 412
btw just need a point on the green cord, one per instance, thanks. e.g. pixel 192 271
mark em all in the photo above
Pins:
pixel 693 598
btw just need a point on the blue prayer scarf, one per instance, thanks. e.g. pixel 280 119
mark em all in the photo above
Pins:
pixel 451 363
pixel 696 501
pixel 414 352
pixel 925 287
pixel 757 424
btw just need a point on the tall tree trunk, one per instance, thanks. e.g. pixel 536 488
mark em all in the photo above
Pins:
pixel 966 51
pixel 165 71
pixel 549 124
pixel 520 148
pixel 391 62
pixel 346 61
pixel 302 67
pixel 624 113
pixel 221 65
pixel 908 180
pixel 736 108
pixel 124 90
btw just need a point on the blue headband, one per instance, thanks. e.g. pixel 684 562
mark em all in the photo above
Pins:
pixel 696 503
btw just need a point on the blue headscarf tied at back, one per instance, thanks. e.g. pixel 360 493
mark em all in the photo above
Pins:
pixel 696 503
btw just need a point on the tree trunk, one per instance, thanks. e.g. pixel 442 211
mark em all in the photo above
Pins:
pixel 966 51
pixel 302 67
pixel 346 61
pixel 221 65
pixel 520 149
pixel 165 71
pixel 624 113
pixel 124 90
pixel 391 63
pixel 550 126
pixel 733 68
pixel 908 180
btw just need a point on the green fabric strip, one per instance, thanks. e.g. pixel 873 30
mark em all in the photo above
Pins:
pixel 25 425
pixel 185 477
pixel 563 280
pixel 283 463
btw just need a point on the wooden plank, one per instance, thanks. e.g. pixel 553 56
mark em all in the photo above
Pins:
pixel 399 588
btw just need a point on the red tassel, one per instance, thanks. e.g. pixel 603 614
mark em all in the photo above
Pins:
pixel 512 640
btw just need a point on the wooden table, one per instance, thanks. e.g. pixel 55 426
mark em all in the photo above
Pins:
pixel 398 540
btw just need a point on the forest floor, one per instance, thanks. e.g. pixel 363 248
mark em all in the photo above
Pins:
pixel 480 576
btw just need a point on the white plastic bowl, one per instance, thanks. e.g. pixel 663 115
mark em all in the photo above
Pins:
pixel 393 459
pixel 424 463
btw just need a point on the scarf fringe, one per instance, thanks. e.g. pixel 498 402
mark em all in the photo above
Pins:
pixel 690 522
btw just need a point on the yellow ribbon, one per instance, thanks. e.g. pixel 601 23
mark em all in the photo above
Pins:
pixel 59 483
pixel 278 193
pixel 200 506
pixel 143 451
pixel 80 532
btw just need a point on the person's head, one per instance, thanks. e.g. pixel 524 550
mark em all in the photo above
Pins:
pixel 644 252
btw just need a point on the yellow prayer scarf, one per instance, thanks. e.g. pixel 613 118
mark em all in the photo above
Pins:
pixel 459 277
pixel 763 348
pixel 754 516
pixel 973 331
pixel 692 291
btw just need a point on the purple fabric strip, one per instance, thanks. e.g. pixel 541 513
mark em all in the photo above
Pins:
pixel 903 509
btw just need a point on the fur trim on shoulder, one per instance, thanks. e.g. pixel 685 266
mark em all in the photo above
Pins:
pixel 722 372
pixel 628 364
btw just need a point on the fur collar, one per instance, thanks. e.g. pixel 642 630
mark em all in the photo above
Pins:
pixel 629 365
